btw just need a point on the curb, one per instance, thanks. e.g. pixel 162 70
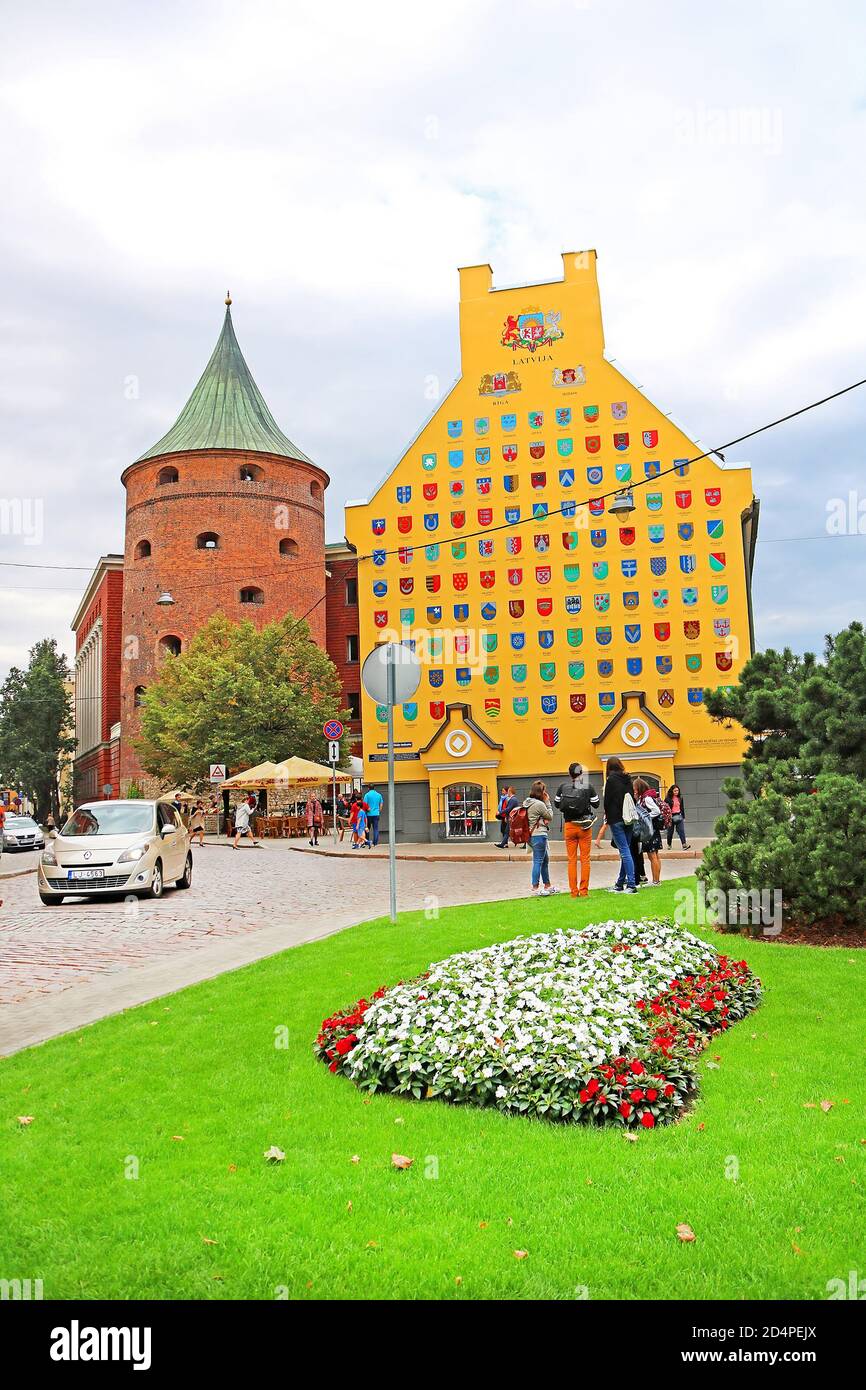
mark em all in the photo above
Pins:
pixel 508 857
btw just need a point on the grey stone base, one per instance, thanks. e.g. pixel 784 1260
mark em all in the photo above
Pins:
pixel 701 788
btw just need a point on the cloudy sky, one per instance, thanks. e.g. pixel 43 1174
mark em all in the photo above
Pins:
pixel 334 165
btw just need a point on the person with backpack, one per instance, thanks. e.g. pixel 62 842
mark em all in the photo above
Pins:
pixel 620 815
pixel 540 814
pixel 578 802
pixel 647 839
pixel 676 802
pixel 315 818
pixel 507 803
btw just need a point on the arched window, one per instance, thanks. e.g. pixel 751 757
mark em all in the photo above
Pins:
pixel 167 475
pixel 251 473
pixel 207 540
pixel 169 645
pixel 252 595
pixel 143 550
pixel 288 547
pixel 138 696
pixel 316 490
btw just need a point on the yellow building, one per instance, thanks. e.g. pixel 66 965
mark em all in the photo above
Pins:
pixel 550 628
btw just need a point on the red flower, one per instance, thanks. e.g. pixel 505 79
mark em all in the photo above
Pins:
pixel 648 1120
pixel 346 1044
pixel 637 1068
pixel 624 1109
pixel 593 1087
pixel 669 1089
pixel 637 1095
pixel 332 1067
pixel 652 1094
pixel 640 1004
pixel 585 1097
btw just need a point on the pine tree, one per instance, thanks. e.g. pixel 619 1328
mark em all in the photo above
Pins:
pixel 36 721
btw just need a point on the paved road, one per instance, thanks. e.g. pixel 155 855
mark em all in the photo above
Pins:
pixel 61 967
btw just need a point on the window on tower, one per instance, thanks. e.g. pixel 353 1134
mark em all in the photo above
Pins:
pixel 143 550
pixel 288 546
pixel 252 595
pixel 250 473
pixel 316 490
pixel 169 645
pixel 207 540
pixel 138 696
pixel 167 475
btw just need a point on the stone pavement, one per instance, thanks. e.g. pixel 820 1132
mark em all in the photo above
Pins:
pixel 63 967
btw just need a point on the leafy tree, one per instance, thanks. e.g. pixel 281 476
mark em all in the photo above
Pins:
pixel 36 721
pixel 795 820
pixel 237 695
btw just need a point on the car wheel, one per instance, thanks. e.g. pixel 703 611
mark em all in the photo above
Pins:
pixel 50 899
pixel 185 881
pixel 156 884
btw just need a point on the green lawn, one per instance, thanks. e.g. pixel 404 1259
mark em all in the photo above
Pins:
pixel 591 1209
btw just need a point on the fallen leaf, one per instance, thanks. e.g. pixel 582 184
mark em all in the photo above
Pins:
pixel 685 1233
pixel 178 1138
pixel 208 1241
pixel 458 1279
pixel 399 1120
pixel 508 1221
pixel 482 1225
pixel 401 1161
pixel 274 1155
pixel 233 1167
pixel 632 1138
pixel 701 1126
pixel 372 1244
pixel 839 1158
pixel 220 1277
pixel 520 1254
pixel 796 1249
pixel 25 1120
pixel 826 1106
pixel 348 1206
pixel 356 1158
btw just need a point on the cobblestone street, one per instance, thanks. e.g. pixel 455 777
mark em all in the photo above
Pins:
pixel 64 966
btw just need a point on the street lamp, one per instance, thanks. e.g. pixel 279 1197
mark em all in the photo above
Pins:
pixel 165 599
pixel 623 503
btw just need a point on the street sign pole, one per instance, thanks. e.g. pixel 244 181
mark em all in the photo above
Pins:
pixel 390 675
pixel 392 817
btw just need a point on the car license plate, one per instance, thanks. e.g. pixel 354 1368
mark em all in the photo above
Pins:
pixel 85 873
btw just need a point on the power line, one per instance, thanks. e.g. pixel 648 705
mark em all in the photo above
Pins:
pixel 631 486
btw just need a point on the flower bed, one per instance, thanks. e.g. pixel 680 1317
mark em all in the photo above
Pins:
pixel 601 1025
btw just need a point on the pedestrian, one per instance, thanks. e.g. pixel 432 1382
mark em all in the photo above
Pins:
pixel 373 801
pixel 50 824
pixel 578 802
pixel 507 803
pixel 243 815
pixel 315 818
pixel 676 801
pixel 647 797
pixel 359 834
pixel 540 812
pixel 197 824
pixel 343 808
pixel 617 787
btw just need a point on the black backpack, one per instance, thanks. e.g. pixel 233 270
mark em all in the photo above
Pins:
pixel 575 803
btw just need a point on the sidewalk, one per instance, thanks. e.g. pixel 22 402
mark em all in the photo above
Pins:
pixel 482 852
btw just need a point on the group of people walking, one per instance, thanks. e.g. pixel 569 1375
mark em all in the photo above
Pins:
pixel 635 813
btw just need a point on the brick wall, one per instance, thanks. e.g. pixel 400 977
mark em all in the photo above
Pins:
pixel 341 624
pixel 284 503
pixel 98 765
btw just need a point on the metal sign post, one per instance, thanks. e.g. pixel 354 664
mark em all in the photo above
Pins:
pixel 333 731
pixel 390 675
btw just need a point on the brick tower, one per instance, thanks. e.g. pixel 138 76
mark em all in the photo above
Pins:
pixel 223 514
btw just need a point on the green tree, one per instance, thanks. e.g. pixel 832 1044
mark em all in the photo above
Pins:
pixel 35 726
pixel 238 695
pixel 794 822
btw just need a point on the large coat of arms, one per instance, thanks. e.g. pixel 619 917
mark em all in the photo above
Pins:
pixel 531 330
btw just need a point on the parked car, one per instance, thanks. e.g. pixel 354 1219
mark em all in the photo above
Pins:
pixel 116 847
pixel 22 832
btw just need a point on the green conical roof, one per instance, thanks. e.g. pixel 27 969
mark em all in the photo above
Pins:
pixel 226 410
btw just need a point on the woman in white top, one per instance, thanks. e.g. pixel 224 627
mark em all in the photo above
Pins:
pixel 648 798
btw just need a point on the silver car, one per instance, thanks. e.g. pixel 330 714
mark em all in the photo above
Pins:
pixel 22 832
pixel 116 847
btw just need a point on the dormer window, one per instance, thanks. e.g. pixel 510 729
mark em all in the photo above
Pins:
pixel 167 475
